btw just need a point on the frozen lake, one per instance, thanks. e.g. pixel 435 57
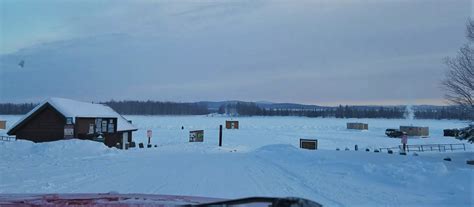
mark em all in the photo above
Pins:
pixel 260 159
pixel 256 132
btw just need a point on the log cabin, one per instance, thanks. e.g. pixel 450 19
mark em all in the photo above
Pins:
pixel 59 118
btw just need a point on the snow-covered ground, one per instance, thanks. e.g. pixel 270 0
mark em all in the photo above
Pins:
pixel 260 159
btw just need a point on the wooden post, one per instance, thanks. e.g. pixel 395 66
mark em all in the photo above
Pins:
pixel 220 135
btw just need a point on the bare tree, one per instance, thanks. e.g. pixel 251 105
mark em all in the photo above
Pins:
pixel 470 30
pixel 459 81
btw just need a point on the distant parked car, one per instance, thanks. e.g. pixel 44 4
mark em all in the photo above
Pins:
pixel 394 133
pixel 451 132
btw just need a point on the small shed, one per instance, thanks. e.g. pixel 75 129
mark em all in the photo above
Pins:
pixel 232 124
pixel 196 136
pixel 358 126
pixel 415 131
pixel 3 124
pixel 310 144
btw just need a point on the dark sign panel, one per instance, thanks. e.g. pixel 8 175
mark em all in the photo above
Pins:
pixel 311 144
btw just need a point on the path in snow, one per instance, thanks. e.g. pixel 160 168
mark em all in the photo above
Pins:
pixel 329 177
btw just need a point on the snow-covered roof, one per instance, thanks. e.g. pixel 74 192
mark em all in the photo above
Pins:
pixel 72 108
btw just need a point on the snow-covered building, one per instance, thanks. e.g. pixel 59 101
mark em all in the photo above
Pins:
pixel 358 126
pixel 59 118
pixel 3 124
pixel 416 131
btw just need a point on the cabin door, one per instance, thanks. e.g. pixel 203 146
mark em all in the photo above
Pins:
pixel 124 139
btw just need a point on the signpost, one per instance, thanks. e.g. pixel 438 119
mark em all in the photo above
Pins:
pixel 149 133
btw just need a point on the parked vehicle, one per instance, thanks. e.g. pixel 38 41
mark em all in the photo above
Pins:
pixel 394 133
pixel 451 132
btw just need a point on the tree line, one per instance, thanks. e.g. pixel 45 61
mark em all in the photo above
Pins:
pixel 252 109
pixel 450 112
pixel 124 107
pixel 16 108
pixel 157 108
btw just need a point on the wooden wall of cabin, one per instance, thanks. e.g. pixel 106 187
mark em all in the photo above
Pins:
pixel 81 128
pixel 46 125
pixel 111 140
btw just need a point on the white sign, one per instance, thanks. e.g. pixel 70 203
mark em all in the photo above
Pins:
pixel 69 131
pixel 149 133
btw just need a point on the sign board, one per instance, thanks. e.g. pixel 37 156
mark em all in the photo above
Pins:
pixel 196 136
pixel 310 144
pixel 124 140
pixel 68 131
pixel 149 133
pixel 232 124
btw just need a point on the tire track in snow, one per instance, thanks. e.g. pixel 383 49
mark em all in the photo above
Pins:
pixel 271 166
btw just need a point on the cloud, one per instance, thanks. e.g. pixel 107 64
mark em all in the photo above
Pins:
pixel 305 51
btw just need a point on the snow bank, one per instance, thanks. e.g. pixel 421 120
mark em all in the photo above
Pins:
pixel 58 149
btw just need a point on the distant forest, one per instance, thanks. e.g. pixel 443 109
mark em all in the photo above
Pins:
pixel 252 109
pixel 157 108
pixel 13 109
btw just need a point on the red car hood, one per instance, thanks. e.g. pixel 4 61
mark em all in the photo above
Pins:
pixel 102 199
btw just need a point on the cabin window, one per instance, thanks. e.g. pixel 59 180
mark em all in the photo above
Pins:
pixel 91 128
pixel 98 126
pixel 69 120
pixel 104 126
pixel 111 126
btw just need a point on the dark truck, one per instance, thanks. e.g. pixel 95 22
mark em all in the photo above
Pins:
pixel 394 133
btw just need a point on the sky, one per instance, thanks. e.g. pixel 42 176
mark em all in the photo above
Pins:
pixel 325 52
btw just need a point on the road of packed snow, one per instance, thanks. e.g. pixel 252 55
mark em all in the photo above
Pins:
pixel 260 159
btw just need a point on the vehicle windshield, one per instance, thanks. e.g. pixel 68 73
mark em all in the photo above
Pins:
pixel 237 102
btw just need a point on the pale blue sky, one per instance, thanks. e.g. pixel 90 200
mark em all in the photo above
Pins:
pixel 316 52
